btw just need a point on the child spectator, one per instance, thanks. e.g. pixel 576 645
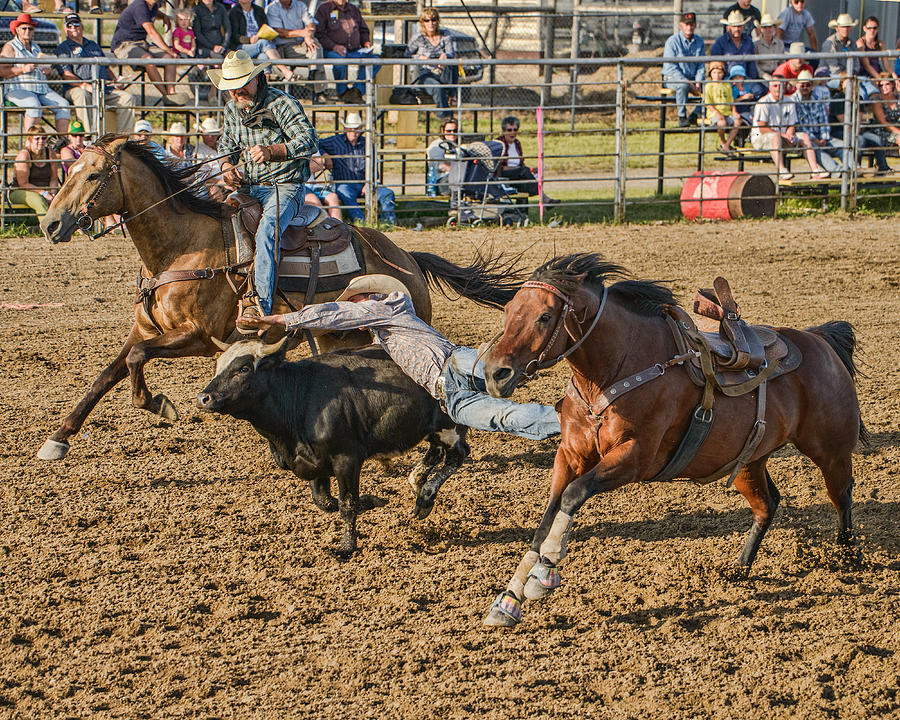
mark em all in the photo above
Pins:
pixel 183 39
pixel 720 108
pixel 741 93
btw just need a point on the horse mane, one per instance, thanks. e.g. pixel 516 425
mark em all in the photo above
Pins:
pixel 571 272
pixel 173 179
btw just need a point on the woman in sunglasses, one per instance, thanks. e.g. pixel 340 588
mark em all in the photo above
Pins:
pixel 512 165
pixel 870 42
pixel 435 43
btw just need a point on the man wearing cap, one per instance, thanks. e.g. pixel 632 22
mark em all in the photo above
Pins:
pixel 792 67
pixel 684 77
pixel 795 18
pixel 733 41
pixel 81 91
pixel 768 44
pixel 267 130
pixel 840 41
pixel 26 86
pixel 812 125
pixel 143 131
pixel 345 156
pixel 382 305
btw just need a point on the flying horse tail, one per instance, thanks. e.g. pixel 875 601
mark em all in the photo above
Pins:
pixel 488 280
pixel 842 339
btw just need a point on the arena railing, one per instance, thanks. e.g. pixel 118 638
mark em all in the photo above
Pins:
pixel 602 142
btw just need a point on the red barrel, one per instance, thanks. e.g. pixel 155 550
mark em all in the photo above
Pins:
pixel 727 195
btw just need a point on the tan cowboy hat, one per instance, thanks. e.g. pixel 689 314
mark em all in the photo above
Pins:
pixel 209 126
pixel 176 128
pixel 735 18
pixel 843 20
pixel 713 64
pixel 768 21
pixel 797 48
pixel 382 284
pixel 237 70
pixel 804 76
pixel 352 121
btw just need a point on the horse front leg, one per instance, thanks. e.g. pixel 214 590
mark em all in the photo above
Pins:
pixel 57 445
pixel 172 344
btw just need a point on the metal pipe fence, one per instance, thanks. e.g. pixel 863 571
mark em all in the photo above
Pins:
pixel 611 150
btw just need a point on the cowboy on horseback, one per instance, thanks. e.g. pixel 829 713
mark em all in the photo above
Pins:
pixel 278 139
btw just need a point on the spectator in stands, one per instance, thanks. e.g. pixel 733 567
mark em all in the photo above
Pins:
pixel 207 148
pixel 209 132
pixel 26 86
pixel 684 77
pixel 741 93
pixel 870 42
pixel 733 42
pixel 136 37
pixel 143 132
pixel 795 18
pixel 792 67
pixel 437 167
pixel 512 168
pixel 319 193
pixel 771 120
pixel 212 28
pixel 768 44
pixel 812 126
pixel 434 43
pixel 345 156
pixel 840 41
pixel 886 110
pixel 71 152
pixel 868 139
pixel 246 19
pixel 81 93
pixel 177 146
pixel 35 181
pixel 343 33
pixel 296 30
pixel 749 12
pixel 720 107
pixel 184 40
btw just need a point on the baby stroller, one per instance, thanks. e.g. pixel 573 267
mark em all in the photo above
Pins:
pixel 476 194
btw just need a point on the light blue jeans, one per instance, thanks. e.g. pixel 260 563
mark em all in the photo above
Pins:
pixel 682 88
pixel 289 201
pixel 831 155
pixel 257 49
pixel 469 404
pixel 349 193
pixel 340 71
pixel 34 103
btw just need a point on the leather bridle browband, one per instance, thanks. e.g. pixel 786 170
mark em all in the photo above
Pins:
pixel 540 362
pixel 83 219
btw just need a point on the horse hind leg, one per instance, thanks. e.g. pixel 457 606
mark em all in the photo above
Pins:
pixel 755 484
pixel 838 474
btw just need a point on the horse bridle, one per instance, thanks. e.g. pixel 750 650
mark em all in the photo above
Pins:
pixel 83 219
pixel 540 362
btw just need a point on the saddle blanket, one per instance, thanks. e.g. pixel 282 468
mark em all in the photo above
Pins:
pixel 334 272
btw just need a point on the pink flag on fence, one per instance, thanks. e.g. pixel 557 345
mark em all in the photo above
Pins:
pixel 540 168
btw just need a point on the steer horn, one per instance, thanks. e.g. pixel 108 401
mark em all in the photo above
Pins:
pixel 274 348
pixel 219 344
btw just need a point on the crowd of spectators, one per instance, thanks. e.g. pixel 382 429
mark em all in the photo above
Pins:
pixel 793 103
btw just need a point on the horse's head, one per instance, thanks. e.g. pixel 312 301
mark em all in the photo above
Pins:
pixel 91 190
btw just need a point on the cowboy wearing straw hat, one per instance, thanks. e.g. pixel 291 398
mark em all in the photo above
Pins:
pixel 733 41
pixel 840 41
pixel 271 130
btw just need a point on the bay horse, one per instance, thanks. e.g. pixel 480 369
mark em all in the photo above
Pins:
pixel 184 233
pixel 611 332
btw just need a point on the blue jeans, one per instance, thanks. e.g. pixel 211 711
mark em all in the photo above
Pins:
pixel 830 156
pixel 440 93
pixel 350 192
pixel 869 139
pixel 681 88
pixel 35 102
pixel 289 201
pixel 469 404
pixel 257 49
pixel 340 71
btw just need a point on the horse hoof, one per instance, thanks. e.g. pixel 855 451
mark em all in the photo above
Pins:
pixel 542 580
pixel 505 612
pixel 420 512
pixel 166 408
pixel 53 450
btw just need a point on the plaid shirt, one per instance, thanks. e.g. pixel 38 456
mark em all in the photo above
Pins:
pixel 286 123
pixel 812 117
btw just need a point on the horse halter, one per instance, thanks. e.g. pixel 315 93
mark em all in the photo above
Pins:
pixel 83 218
pixel 540 363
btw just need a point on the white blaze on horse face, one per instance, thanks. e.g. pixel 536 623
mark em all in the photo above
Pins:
pixel 76 168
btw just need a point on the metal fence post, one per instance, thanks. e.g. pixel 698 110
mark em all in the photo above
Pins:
pixel 371 157
pixel 848 157
pixel 99 110
pixel 573 55
pixel 854 135
pixel 4 149
pixel 621 164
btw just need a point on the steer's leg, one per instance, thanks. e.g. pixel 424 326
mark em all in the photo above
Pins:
pixel 175 343
pixel 320 487
pixel 456 450
pixel 57 445
pixel 346 472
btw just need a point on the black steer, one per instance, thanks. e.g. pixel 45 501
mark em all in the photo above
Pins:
pixel 325 416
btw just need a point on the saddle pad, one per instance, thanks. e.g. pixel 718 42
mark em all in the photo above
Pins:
pixel 334 272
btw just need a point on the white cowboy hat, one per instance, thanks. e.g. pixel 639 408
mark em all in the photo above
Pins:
pixel 352 120
pixel 209 126
pixel 843 20
pixel 804 76
pixel 237 70
pixel 797 48
pixel 143 126
pixel 176 128
pixel 768 21
pixel 382 284
pixel 734 18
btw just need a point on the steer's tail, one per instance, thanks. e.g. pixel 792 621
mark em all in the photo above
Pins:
pixel 487 280
pixel 842 339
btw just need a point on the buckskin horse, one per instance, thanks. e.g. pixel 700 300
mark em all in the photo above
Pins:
pixel 189 286
pixel 652 398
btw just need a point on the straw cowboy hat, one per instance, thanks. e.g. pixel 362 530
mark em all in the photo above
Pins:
pixel 843 20
pixel 176 128
pixel 735 18
pixel 237 70
pixel 352 121
pixel 804 76
pixel 209 126
pixel 23 19
pixel 768 21
pixel 797 48
pixel 364 284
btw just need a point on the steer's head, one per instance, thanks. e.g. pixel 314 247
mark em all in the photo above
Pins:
pixel 237 369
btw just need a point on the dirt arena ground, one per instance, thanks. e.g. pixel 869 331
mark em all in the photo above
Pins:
pixel 169 569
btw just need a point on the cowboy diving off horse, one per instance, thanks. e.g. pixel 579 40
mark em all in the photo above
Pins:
pixel 278 139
